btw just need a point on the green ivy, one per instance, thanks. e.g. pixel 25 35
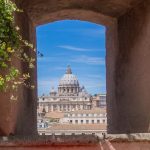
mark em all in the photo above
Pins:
pixel 11 46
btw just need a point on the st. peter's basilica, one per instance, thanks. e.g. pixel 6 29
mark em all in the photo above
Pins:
pixel 68 97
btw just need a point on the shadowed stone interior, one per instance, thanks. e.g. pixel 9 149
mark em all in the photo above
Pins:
pixel 127 61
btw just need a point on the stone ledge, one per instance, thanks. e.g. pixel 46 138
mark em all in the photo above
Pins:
pixel 129 137
pixel 49 140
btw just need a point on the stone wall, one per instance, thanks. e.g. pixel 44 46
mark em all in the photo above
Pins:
pixel 127 61
pixel 133 71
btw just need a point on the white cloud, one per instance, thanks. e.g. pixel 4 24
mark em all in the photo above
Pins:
pixel 89 60
pixel 73 48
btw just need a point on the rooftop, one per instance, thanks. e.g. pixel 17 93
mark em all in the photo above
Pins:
pixel 92 111
pixel 78 127
pixel 54 114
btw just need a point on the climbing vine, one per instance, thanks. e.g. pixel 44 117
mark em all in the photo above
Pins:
pixel 12 46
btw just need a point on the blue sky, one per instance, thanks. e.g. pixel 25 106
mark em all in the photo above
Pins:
pixel 79 44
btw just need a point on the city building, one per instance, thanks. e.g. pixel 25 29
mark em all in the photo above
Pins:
pixel 71 107
pixel 69 97
pixel 93 116
pixel 75 122
pixel 99 100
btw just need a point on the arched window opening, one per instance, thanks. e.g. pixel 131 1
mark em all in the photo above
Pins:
pixel 71 74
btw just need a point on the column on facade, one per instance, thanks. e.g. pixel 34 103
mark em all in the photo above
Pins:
pixel 46 108
pixel 66 107
pixel 76 107
pixel 74 90
pixel 69 89
pixel 59 90
pixel 57 108
pixel 84 106
pixel 52 108
pixel 70 108
pixel 60 107
pixel 80 106
pixel 49 107
pixel 63 107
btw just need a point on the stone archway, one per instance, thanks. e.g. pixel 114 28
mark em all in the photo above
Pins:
pixel 128 82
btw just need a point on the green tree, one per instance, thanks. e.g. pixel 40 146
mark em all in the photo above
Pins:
pixel 12 46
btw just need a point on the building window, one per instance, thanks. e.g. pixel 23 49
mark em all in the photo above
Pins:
pixel 87 121
pixel 66 115
pixel 76 121
pixel 103 120
pixel 98 121
pixel 79 115
pixel 70 121
pixel 100 115
pixel 95 115
pixel 75 114
pixel 81 121
pixel 92 121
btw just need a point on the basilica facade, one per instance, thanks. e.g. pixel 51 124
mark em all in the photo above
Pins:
pixel 70 96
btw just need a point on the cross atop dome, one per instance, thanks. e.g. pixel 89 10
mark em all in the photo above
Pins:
pixel 68 71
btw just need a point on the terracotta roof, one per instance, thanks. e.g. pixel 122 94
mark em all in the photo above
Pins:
pixel 78 127
pixel 54 114
pixel 92 111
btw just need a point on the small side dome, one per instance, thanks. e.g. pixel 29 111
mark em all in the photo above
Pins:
pixel 52 91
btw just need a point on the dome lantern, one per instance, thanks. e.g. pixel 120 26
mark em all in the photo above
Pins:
pixel 68 71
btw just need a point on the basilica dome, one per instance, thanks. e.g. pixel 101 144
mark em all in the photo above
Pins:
pixel 68 78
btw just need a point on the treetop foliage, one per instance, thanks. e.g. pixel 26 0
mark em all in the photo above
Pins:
pixel 12 46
